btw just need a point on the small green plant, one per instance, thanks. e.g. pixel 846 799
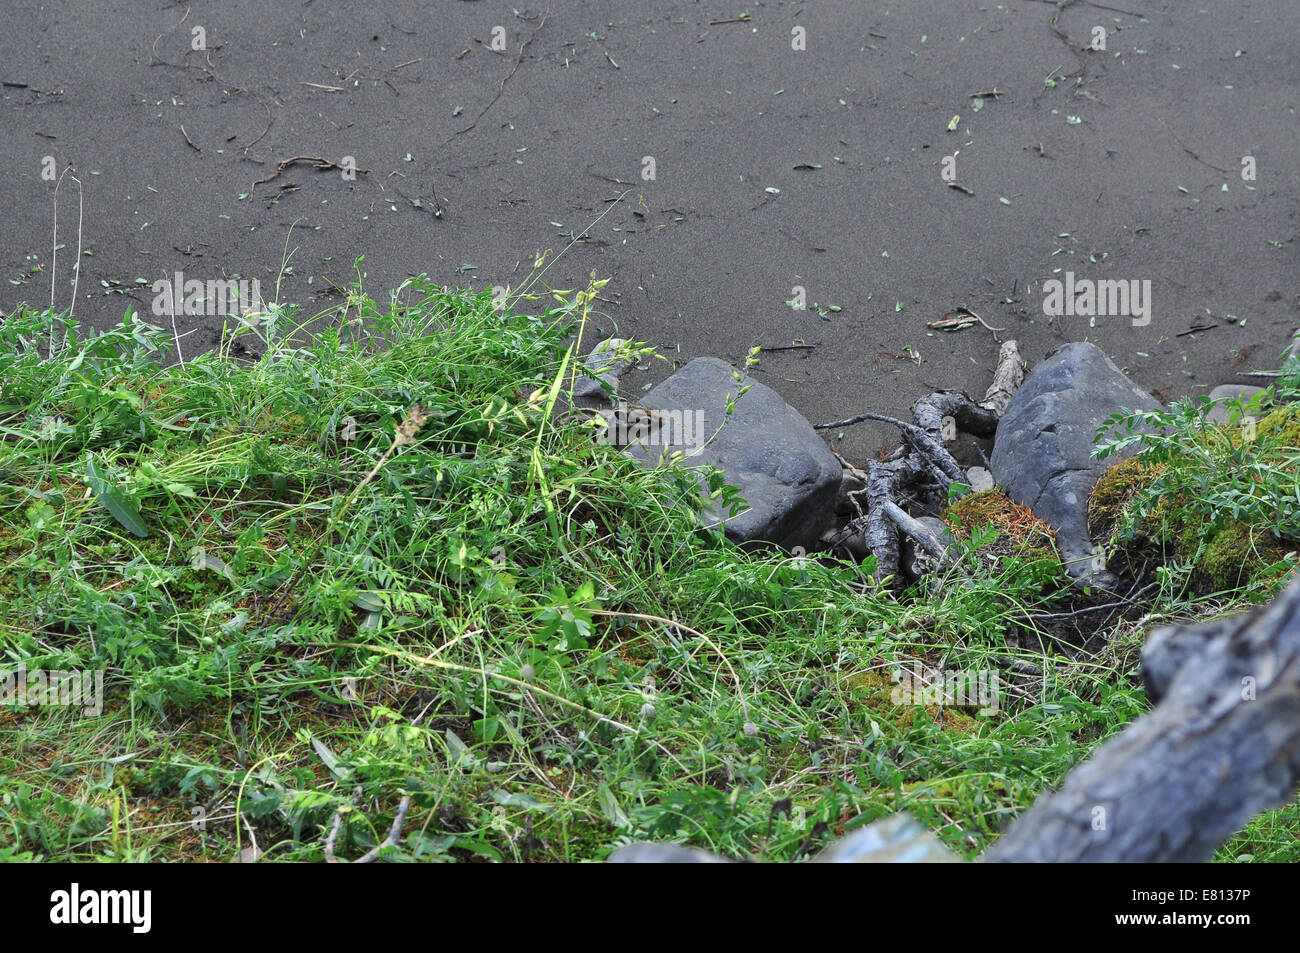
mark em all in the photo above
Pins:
pixel 1228 495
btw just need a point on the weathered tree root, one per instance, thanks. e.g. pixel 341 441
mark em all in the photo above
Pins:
pixel 879 531
pixel 929 542
pixel 1007 378
pixel 929 411
pixel 1222 744
pixel 937 457
pixel 924 455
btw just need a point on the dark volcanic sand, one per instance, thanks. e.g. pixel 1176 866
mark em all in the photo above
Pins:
pixel 515 142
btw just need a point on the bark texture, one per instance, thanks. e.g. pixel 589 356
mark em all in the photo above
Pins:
pixel 1222 744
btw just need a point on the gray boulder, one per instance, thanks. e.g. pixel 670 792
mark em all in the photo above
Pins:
pixel 1043 453
pixel 784 471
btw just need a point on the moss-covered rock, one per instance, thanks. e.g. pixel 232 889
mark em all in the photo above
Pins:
pixel 1236 553
pixel 1021 534
pixel 1135 513
pixel 1280 430
pixel 1115 490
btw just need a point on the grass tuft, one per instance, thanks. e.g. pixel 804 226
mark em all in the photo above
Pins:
pixel 386 564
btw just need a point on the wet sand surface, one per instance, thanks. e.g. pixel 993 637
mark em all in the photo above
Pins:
pixel 754 172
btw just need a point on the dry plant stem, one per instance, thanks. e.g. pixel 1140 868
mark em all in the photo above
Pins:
pixel 322 165
pixel 558 738
pixel 54 253
pixel 416 418
pixel 962 313
pixel 1126 601
pixel 394 833
pixel 538 272
pixel 505 79
pixel 256 851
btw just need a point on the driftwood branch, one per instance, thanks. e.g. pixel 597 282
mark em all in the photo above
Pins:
pixel 883 481
pixel 1007 378
pixel 924 455
pixel 938 458
pixel 929 411
pixel 929 542
pixel 1222 744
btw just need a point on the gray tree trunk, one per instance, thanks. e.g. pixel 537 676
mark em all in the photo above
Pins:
pixel 1221 745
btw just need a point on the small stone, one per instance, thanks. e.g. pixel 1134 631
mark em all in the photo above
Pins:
pixel 896 839
pixel 979 479
pixel 663 854
pixel 1224 394
pixel 587 392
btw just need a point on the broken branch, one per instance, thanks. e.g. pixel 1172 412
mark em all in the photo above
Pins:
pixel 322 165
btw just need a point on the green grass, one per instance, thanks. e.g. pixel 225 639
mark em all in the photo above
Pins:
pixel 305 604
pixel 1217 504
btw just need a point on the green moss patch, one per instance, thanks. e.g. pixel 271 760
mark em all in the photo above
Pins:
pixel 1190 508
pixel 1019 533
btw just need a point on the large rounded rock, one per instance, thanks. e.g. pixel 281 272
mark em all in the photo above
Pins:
pixel 785 473
pixel 1043 453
